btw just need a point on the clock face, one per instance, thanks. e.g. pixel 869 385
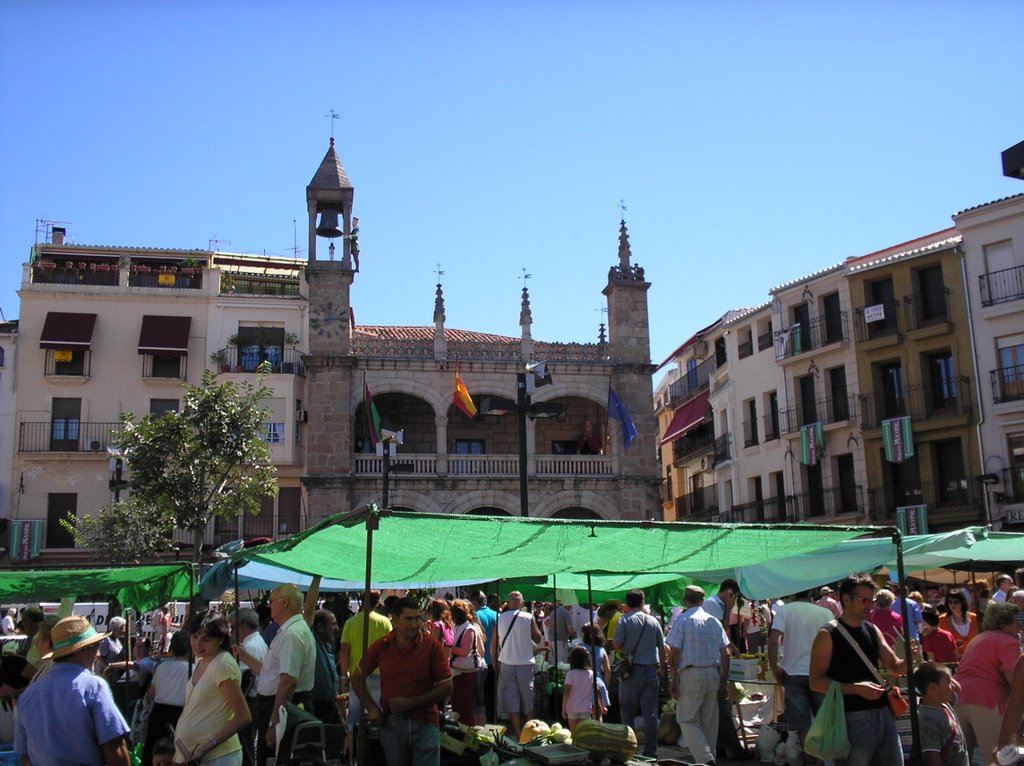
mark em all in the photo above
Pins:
pixel 326 321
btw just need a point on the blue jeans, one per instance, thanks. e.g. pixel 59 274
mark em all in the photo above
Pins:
pixel 410 743
pixel 873 739
pixel 639 694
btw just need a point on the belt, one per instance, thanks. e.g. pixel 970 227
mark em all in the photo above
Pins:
pixel 687 667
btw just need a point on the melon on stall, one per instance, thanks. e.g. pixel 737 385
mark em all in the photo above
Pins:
pixel 614 741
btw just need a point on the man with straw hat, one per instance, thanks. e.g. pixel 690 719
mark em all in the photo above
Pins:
pixel 69 716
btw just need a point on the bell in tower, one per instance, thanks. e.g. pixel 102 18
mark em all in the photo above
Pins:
pixel 328 226
pixel 329 196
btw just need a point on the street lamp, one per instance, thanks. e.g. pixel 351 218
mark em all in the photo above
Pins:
pixel 117 483
pixel 536 374
pixel 386 447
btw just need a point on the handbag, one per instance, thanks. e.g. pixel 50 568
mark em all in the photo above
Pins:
pixel 897 702
pixel 623 667
pixel 827 737
pixel 467 663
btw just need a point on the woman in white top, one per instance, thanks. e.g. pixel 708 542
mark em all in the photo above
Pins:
pixel 215 708
pixel 167 693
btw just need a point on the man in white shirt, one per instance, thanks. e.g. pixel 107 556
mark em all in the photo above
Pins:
pixel 287 672
pixel 797 624
pixel 252 642
pixel 514 637
pixel 1004 584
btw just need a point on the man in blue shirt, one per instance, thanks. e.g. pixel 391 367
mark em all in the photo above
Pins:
pixel 326 680
pixel 68 716
pixel 699 666
pixel 639 636
pixel 488 619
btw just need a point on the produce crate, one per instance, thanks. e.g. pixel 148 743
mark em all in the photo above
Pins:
pixel 743 670
pixel 557 754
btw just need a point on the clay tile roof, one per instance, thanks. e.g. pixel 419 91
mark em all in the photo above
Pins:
pixel 987 204
pixel 330 174
pixel 393 332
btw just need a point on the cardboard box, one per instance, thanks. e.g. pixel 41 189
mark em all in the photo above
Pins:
pixel 743 670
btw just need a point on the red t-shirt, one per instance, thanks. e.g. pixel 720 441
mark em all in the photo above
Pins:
pixel 408 672
pixel 939 646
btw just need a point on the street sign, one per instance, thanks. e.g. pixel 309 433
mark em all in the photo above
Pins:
pixel 1015 516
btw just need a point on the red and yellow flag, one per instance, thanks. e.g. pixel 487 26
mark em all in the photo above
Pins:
pixel 462 399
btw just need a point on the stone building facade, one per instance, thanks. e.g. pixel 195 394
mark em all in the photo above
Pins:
pixel 577 465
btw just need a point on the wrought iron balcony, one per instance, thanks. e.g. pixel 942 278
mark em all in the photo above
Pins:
pixel 927 309
pixel 242 284
pixel 879 320
pixel 750 438
pixel 704 500
pixel 287 361
pixel 834 409
pixel 920 402
pixel 830 501
pixel 957 494
pixel 700 439
pixel 92 274
pixel 1007 383
pixel 818 333
pixel 723 449
pixel 770 509
pixel 1002 286
pixel 168 278
pixel 692 381
pixel 66 435
pixel 771 426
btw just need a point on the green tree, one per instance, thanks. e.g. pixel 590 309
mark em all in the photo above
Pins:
pixel 185 468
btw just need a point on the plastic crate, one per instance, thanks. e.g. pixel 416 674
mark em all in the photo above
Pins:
pixel 9 758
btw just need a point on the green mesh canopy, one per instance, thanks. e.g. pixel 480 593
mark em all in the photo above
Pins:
pixel 142 587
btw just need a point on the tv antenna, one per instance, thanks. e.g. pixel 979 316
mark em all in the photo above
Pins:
pixel 295 250
pixel 44 226
pixel 216 243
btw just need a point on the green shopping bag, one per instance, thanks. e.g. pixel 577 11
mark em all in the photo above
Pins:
pixel 827 736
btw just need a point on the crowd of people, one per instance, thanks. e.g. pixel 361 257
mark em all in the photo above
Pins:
pixel 212 688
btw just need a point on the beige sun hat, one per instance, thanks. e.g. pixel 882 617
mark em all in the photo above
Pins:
pixel 71 634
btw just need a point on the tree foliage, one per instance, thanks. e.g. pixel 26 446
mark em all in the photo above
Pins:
pixel 125 532
pixel 207 460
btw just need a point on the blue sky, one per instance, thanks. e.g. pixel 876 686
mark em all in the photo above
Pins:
pixel 752 142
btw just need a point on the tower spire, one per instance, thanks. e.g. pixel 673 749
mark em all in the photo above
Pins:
pixel 624 252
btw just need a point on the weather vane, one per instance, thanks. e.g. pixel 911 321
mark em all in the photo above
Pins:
pixel 333 115
pixel 622 209
pixel 525 277
pixel 439 273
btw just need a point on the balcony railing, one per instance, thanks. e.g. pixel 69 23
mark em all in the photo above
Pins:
pixel 960 494
pixel 770 509
pixel 692 381
pixel 818 333
pixel 831 410
pixel 745 349
pixel 287 361
pixel 723 449
pixel 1002 286
pixel 771 426
pixel 489 465
pixel 144 276
pixel 704 500
pixel 1007 383
pixel 884 321
pixel 66 435
pixel 245 285
pixel 830 501
pixel 244 527
pixel 764 341
pixel 920 401
pixel 926 309
pixel 700 439
pixel 78 366
pixel 91 274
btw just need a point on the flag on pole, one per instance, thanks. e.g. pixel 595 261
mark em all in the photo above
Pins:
pixel 618 411
pixel 812 443
pixel 372 416
pixel 898 439
pixel 462 399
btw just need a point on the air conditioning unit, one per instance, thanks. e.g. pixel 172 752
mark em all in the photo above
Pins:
pixel 700 347
pixel 301 416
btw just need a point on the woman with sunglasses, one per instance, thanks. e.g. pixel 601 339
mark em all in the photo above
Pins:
pixel 215 708
pixel 959 621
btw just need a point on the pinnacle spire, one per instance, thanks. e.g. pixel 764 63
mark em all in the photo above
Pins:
pixel 439 304
pixel 525 315
pixel 624 252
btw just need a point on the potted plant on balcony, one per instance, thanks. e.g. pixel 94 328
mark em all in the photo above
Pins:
pixel 288 365
pixel 236 341
pixel 220 358
pixel 189 266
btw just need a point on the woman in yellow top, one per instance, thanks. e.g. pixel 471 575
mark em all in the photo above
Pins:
pixel 215 709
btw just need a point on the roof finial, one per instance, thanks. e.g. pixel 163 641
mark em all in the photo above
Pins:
pixel 333 115
pixel 439 297
pixel 525 315
pixel 624 252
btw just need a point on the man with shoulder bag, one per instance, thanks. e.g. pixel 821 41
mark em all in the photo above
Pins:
pixel 639 638
pixel 514 637
pixel 848 651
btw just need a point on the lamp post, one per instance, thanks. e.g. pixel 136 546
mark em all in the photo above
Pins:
pixel 535 375
pixel 387 444
pixel 117 482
